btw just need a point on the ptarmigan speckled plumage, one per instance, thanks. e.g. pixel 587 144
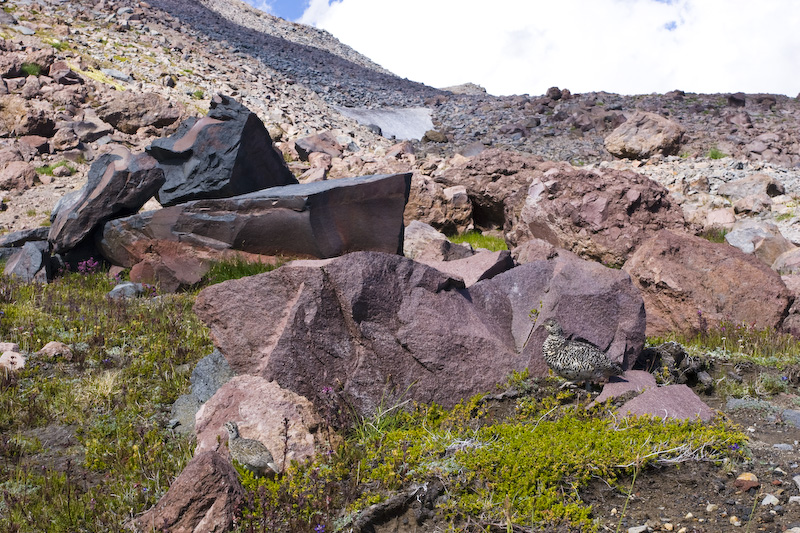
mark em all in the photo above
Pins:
pixel 250 453
pixel 575 360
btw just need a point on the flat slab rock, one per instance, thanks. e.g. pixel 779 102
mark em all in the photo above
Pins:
pixel 321 219
pixel 673 401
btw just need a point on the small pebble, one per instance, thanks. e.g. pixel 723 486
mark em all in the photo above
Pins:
pixel 779 471
pixel 769 499
pixel 711 507
pixel 637 529
pixel 668 527
pixel 683 530
pixel 746 481
pixel 689 516
pixel 794 499
pixel 783 447
pixel 796 480
pixel 734 520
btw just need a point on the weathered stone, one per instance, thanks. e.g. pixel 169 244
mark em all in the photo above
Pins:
pixel 127 290
pixel 12 361
pixel 482 265
pixel 444 250
pixel 445 209
pixel 63 74
pixel 210 373
pixel 35 144
pixel 224 154
pixel 496 182
pixel 91 128
pixel 760 238
pixel 788 263
pixel 29 263
pixel 21 117
pixel 434 136
pixel 380 327
pixel 678 402
pixel 64 139
pixel 259 407
pixel 17 175
pixel 690 284
pixel 128 111
pixel 119 183
pixel 600 215
pixel 630 381
pixel 756 184
pixel 535 250
pixel 323 143
pixel 18 238
pixel 203 499
pixel 644 135
pixel 419 236
pixel 321 219
pixel 56 349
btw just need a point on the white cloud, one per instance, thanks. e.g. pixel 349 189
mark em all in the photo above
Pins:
pixel 624 46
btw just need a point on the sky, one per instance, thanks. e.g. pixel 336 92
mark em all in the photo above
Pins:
pixel 526 46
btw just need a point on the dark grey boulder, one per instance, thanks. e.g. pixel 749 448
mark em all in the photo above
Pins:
pixel 29 263
pixel 226 153
pixel 119 184
pixel 321 219
pixel 211 373
pixel 18 238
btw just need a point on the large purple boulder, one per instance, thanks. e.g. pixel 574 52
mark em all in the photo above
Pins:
pixel 321 219
pixel 382 328
pixel 224 154
pixel 118 185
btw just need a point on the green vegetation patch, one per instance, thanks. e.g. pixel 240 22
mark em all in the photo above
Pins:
pixel 526 469
pixel 129 364
pixel 236 268
pixel 478 240
pixel 48 169
pixel 740 342
pixel 716 153
pixel 31 69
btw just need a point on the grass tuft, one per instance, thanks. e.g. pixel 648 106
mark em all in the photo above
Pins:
pixel 478 240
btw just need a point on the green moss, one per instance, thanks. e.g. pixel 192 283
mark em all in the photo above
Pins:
pixel 478 240
pixel 198 95
pixel 527 469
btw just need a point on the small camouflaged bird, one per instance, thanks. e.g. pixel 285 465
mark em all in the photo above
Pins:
pixel 250 453
pixel 575 360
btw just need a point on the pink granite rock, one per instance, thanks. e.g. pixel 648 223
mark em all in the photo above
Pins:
pixel 259 407
pixel 673 401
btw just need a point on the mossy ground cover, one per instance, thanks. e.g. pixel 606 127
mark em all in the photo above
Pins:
pixel 526 467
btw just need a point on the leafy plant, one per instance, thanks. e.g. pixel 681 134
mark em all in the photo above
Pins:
pixel 478 240
pixel 198 95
